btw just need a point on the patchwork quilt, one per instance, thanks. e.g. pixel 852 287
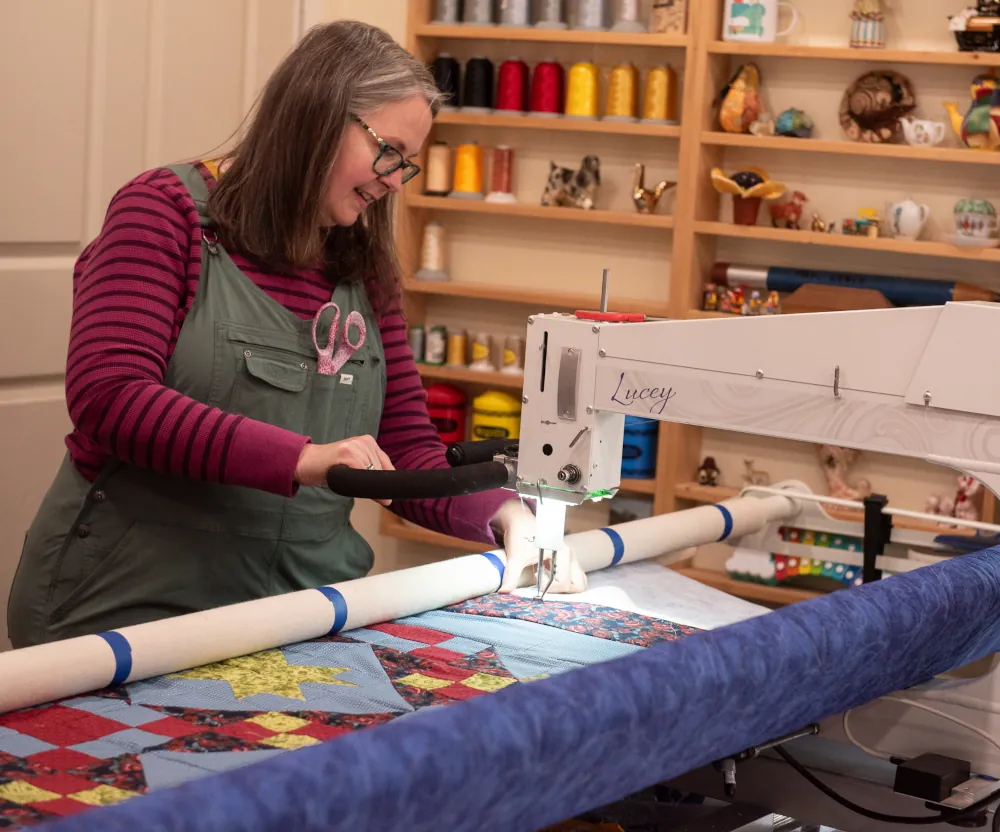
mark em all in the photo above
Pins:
pixel 117 744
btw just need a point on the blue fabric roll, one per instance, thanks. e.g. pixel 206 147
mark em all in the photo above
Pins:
pixel 537 753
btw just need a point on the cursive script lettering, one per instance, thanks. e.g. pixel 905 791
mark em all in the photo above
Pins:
pixel 655 397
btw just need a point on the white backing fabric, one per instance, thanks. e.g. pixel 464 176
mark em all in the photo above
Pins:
pixel 34 675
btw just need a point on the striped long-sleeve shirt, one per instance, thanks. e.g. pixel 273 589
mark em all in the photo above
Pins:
pixel 132 288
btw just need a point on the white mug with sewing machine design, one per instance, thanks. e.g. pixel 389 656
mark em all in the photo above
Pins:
pixel 755 21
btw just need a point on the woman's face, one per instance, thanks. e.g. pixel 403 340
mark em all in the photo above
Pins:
pixel 353 184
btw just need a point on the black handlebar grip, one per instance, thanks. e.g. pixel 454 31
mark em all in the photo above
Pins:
pixel 433 483
pixel 469 453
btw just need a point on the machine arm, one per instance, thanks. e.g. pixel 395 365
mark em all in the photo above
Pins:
pixel 887 380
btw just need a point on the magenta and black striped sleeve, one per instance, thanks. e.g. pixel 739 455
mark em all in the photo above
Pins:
pixel 131 291
pixel 408 436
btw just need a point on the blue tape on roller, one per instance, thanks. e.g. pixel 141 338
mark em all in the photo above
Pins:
pixel 122 651
pixel 658 713
pixel 618 543
pixel 728 519
pixel 496 563
pixel 339 608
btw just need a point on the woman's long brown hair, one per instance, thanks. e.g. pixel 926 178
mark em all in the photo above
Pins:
pixel 268 203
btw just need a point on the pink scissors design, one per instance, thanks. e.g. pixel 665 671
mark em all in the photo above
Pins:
pixel 332 357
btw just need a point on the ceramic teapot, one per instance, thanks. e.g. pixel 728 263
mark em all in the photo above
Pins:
pixel 923 131
pixel 907 218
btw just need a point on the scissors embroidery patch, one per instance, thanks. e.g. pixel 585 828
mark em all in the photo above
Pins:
pixel 336 354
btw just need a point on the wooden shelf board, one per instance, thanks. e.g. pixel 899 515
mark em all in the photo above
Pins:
pixel 746 589
pixel 541 299
pixel 844 53
pixel 464 375
pixel 706 314
pixel 883 244
pixel 846 148
pixel 532 34
pixel 543 212
pixel 635 486
pixel 394 526
pixel 704 493
pixel 567 125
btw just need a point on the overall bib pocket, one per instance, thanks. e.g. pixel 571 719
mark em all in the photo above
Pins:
pixel 270 386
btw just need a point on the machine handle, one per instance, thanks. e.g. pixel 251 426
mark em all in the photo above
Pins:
pixel 434 483
pixel 469 453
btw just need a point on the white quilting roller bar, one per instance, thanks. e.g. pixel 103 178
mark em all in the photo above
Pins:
pixel 33 675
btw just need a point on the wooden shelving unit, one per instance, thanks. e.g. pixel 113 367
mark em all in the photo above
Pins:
pixel 695 228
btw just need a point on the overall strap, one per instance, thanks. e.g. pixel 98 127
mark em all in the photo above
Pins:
pixel 195 184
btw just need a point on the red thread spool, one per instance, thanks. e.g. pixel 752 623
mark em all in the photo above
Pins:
pixel 512 85
pixel 548 89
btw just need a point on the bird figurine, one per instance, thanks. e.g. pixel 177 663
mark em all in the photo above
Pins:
pixel 980 127
pixel 645 200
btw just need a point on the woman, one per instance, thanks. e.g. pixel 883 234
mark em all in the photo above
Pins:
pixel 236 333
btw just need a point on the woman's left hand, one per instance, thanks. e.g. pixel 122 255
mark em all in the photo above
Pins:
pixel 517 525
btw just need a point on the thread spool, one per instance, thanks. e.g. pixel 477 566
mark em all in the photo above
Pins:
pixel 468 181
pixel 447 75
pixel 456 348
pixel 551 15
pixel 513 12
pixel 660 100
pixel 502 176
pixel 437 179
pixel 512 87
pixel 513 355
pixel 446 12
pixel 627 17
pixel 482 352
pixel 548 89
pixel 437 345
pixel 582 92
pixel 477 91
pixel 478 13
pixel 623 94
pixel 590 15
pixel 417 339
pixel 432 253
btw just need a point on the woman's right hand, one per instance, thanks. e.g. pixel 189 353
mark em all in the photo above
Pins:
pixel 357 452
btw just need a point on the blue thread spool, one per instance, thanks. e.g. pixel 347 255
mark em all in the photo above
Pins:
pixel 639 448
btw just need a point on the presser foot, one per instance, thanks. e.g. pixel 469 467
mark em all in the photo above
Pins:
pixel 541 584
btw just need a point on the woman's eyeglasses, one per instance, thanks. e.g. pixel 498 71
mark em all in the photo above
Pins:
pixel 389 160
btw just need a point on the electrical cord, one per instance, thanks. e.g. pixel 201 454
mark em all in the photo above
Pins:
pixel 925 820
pixel 921 706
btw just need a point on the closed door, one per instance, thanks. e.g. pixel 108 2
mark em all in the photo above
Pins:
pixel 93 93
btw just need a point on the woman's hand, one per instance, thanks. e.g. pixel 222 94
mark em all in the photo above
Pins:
pixel 357 452
pixel 517 525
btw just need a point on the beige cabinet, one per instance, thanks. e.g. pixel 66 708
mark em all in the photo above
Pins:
pixel 94 92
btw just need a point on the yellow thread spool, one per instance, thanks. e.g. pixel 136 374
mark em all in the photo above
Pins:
pixel 623 94
pixel 437 182
pixel 496 415
pixel 468 172
pixel 660 102
pixel 582 91
pixel 456 348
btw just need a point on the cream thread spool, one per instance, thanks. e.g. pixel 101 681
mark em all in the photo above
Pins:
pixel 623 94
pixel 590 15
pixel 627 17
pixel 482 352
pixel 432 253
pixel 513 355
pixel 660 100
pixel 468 181
pixel 437 182
pixel 582 91
pixel 551 15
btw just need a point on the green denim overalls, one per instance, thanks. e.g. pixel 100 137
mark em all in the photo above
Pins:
pixel 136 545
